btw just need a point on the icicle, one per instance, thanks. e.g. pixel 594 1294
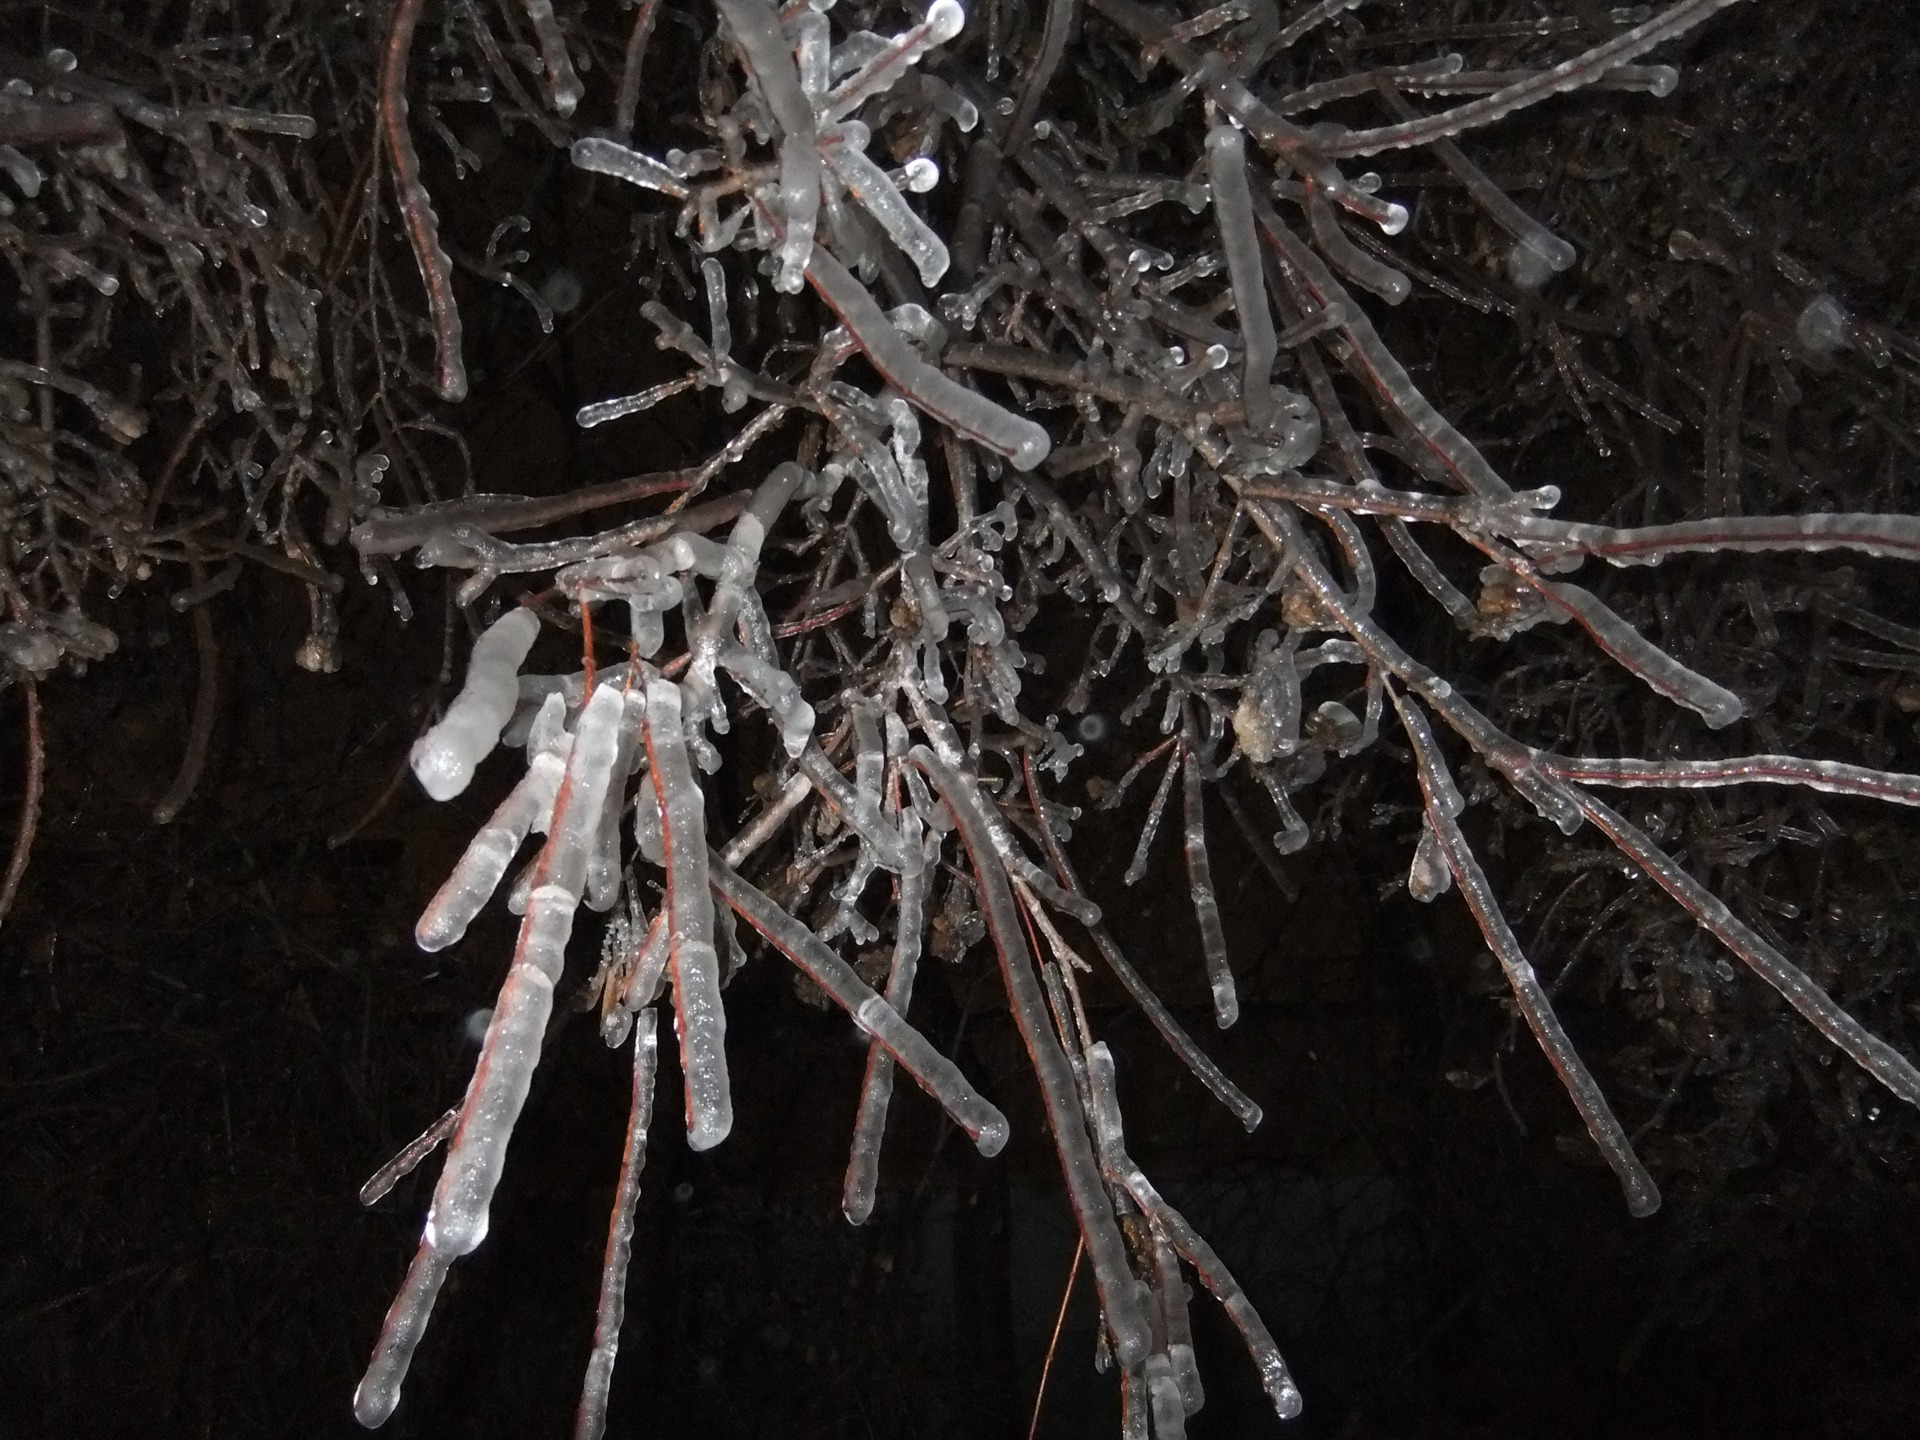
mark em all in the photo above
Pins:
pixel 530 804
pixel 869 1126
pixel 700 1015
pixel 1206 906
pixel 457 1221
pixel 444 758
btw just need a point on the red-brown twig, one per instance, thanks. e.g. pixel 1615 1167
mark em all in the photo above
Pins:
pixel 416 208
pixel 1059 1322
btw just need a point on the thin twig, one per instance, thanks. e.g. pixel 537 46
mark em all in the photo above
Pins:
pixel 29 802
pixel 1059 1323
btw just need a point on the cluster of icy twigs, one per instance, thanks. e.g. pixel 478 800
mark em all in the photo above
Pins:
pixel 1205 509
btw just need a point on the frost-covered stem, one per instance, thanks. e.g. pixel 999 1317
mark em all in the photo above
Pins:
pixel 1120 1295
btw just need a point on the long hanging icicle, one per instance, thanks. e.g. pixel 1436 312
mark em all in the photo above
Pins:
pixel 457 1218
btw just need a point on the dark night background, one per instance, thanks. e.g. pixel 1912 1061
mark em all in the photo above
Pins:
pixel 214 1031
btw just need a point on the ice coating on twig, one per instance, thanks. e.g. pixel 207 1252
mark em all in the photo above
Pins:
pixel 1895 537
pixel 457 1220
pixel 1867 1050
pixel 1206 905
pixel 1233 210
pixel 457 1217
pixel 528 805
pixel 1274 1375
pixel 755 26
pixel 1021 441
pixel 609 157
pixel 931 1070
pixel 416 206
pixel 1120 1294
pixel 1130 340
pixel 1582 69
pixel 1443 805
pixel 590 1423
pixel 445 757
pixel 1831 776
pixel 378 1393
pixel 1715 704
pixel 870 1123
pixel 699 1013
pixel 409 1158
